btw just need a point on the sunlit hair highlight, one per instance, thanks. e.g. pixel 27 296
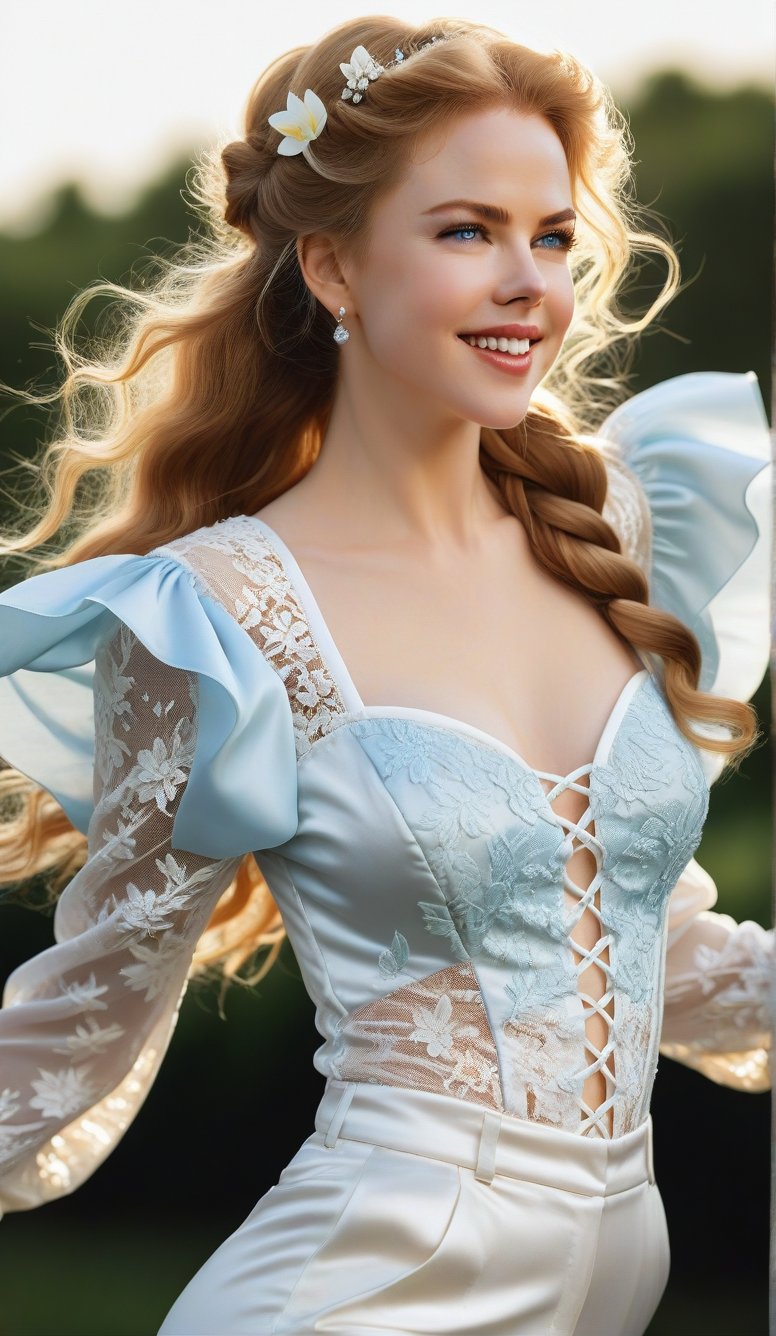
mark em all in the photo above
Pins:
pixel 210 392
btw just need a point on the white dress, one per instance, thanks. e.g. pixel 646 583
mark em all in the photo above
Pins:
pixel 189 706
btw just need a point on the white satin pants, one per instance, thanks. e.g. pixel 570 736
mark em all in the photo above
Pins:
pixel 412 1212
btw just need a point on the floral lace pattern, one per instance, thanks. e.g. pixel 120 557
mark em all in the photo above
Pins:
pixel 101 1004
pixel 236 563
pixel 499 853
pixel 720 999
pixel 432 1034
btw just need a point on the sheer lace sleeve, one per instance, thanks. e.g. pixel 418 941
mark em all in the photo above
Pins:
pixel 86 1023
pixel 720 986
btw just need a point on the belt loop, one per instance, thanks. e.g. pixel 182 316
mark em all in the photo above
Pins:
pixel 486 1155
pixel 338 1117
pixel 650 1151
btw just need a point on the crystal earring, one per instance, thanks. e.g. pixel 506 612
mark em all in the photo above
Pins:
pixel 341 335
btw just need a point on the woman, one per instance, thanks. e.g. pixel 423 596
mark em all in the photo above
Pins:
pixel 353 614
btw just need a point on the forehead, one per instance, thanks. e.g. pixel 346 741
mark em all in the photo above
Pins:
pixel 500 156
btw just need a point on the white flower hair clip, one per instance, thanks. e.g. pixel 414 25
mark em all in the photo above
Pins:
pixel 302 121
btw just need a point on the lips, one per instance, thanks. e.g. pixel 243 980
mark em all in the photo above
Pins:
pixel 512 364
pixel 531 332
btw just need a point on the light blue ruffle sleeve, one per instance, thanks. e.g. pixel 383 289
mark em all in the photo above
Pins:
pixel 699 449
pixel 699 445
pixel 241 794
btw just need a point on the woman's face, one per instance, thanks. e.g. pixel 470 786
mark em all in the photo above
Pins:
pixel 437 270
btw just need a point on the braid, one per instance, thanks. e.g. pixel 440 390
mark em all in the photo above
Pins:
pixel 556 484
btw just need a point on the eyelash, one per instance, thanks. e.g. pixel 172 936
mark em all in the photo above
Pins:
pixel 564 235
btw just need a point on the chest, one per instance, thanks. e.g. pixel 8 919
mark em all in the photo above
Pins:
pixel 495 642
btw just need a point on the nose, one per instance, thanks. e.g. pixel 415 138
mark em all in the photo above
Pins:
pixel 526 282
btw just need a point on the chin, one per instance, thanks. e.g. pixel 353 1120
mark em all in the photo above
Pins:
pixel 503 418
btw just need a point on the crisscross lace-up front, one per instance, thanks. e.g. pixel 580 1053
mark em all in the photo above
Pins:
pixel 584 905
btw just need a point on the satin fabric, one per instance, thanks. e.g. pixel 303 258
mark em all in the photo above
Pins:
pixel 412 1212
pixel 50 628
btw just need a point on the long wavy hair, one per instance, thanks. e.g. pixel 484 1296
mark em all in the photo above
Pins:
pixel 210 395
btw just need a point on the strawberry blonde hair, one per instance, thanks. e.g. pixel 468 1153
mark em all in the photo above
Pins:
pixel 211 394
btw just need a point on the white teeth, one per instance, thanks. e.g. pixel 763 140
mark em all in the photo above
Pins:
pixel 514 346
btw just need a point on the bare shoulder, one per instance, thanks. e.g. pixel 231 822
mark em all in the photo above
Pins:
pixel 302 525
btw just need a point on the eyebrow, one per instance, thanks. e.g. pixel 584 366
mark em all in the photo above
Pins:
pixel 497 215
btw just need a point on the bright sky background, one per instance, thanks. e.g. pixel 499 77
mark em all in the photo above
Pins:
pixel 108 93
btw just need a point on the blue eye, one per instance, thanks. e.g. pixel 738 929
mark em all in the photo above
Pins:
pixel 464 227
pixel 562 240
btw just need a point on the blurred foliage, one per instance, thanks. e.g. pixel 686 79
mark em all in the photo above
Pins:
pixel 703 162
pixel 201 1152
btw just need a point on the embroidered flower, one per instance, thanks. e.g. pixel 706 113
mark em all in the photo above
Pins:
pixel 91 1038
pixel 155 967
pixel 456 813
pixel 146 912
pixel 436 1030
pixel 122 843
pixel 161 772
pixel 63 1092
pixel 86 995
pixel 288 639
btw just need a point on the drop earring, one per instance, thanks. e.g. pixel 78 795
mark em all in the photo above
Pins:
pixel 341 335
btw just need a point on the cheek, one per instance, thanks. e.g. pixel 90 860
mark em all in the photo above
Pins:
pixel 409 296
pixel 563 299
pixel 437 292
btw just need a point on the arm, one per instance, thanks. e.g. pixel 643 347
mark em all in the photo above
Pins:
pixel 86 1023
pixel 720 986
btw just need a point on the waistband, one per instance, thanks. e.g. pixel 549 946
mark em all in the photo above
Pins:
pixel 442 1127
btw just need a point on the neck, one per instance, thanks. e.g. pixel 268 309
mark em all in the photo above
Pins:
pixel 392 470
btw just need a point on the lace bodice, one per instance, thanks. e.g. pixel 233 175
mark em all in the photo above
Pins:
pixel 430 881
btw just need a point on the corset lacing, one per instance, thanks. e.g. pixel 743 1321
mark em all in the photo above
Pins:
pixel 594 1121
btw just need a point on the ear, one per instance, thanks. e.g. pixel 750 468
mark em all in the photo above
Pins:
pixel 323 273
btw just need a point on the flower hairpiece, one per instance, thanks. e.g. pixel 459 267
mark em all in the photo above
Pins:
pixel 360 70
pixel 302 121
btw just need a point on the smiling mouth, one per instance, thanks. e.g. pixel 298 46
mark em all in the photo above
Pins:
pixel 507 347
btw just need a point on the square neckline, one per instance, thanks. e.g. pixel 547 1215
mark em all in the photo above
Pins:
pixel 355 705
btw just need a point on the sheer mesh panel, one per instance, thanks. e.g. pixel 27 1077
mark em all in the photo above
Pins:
pixel 432 1035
